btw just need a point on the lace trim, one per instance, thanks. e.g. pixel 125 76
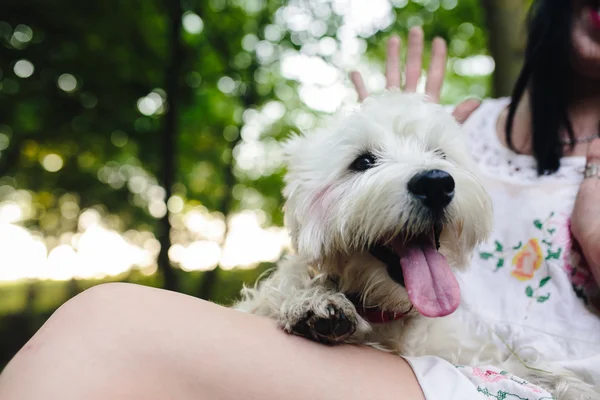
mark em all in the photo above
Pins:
pixel 497 160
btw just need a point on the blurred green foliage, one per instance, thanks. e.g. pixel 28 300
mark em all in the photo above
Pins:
pixel 96 98
pixel 117 52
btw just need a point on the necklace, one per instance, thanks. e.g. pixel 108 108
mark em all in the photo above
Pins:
pixel 568 141
pixel 586 139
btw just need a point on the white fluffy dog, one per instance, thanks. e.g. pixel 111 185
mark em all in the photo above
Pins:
pixel 381 204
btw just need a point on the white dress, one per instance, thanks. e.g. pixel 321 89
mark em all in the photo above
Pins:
pixel 528 282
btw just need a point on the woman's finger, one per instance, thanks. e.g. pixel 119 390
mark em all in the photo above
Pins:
pixel 359 85
pixel 392 65
pixel 437 69
pixel 414 59
pixel 462 111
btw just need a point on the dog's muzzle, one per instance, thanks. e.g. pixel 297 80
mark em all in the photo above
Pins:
pixel 414 260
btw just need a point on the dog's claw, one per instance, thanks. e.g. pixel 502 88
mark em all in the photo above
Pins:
pixel 331 310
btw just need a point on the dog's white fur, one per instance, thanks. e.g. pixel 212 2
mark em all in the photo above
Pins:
pixel 335 214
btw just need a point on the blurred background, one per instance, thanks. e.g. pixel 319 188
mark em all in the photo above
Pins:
pixel 139 139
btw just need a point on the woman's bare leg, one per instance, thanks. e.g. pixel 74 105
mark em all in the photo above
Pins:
pixel 121 341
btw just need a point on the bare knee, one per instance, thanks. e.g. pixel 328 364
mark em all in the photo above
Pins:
pixel 98 315
pixel 107 305
pixel 108 333
pixel 103 298
pixel 117 316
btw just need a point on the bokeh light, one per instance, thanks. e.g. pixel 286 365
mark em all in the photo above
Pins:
pixel 23 33
pixel 52 162
pixel 24 68
pixel 67 82
pixel 153 103
pixel 192 23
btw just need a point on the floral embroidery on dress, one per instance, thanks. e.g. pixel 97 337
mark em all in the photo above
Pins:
pixel 489 375
pixel 528 258
pixel 502 395
pixel 485 378
pixel 555 242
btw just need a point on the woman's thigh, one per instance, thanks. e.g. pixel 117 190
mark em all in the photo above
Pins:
pixel 121 341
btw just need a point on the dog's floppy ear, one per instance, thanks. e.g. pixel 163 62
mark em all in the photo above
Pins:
pixel 302 207
pixel 307 236
pixel 293 148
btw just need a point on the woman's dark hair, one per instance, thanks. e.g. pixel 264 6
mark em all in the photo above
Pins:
pixel 545 74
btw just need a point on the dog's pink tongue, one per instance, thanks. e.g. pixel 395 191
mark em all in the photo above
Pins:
pixel 431 285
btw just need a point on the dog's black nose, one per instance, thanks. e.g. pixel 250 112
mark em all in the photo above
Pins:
pixel 434 188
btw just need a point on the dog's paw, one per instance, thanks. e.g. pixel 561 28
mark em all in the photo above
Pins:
pixel 332 323
pixel 333 329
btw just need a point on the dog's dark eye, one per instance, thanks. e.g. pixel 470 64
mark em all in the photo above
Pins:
pixel 440 153
pixel 363 162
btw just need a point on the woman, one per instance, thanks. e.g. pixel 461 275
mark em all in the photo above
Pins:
pixel 531 282
pixel 121 341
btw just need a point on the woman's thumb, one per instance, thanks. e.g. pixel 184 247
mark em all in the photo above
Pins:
pixel 465 109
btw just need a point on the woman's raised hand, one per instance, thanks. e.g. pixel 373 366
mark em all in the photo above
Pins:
pixel 414 61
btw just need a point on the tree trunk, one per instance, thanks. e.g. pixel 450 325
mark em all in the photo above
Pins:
pixel 249 98
pixel 505 20
pixel 173 72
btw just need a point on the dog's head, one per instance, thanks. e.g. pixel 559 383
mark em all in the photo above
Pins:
pixel 386 198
